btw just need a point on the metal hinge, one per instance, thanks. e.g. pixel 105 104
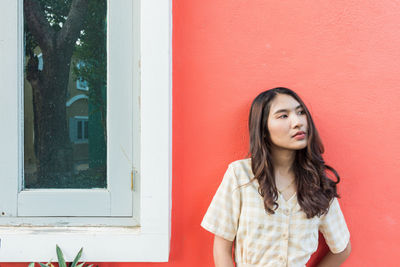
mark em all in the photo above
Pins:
pixel 133 176
pixel 133 170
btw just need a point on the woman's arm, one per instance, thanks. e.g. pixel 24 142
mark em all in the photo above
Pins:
pixel 334 260
pixel 222 252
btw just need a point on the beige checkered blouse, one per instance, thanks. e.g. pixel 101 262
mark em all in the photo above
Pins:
pixel 286 238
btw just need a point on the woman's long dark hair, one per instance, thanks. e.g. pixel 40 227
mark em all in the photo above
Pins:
pixel 314 189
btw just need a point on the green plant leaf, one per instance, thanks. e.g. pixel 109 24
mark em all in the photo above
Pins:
pixel 49 263
pixel 42 265
pixel 32 264
pixel 60 256
pixel 90 265
pixel 77 258
pixel 80 265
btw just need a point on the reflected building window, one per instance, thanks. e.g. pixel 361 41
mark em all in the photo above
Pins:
pixel 79 130
pixel 81 83
pixel 40 61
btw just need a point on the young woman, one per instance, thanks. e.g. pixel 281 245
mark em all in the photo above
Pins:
pixel 274 203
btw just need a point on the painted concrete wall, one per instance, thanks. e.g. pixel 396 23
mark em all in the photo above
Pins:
pixel 342 57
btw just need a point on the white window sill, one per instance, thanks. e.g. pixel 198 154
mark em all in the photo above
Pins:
pixel 81 142
pixel 100 244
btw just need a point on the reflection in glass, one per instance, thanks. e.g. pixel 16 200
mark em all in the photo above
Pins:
pixel 65 94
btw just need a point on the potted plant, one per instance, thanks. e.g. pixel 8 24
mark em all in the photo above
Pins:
pixel 61 261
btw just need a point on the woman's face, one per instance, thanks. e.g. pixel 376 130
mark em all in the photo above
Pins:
pixel 286 118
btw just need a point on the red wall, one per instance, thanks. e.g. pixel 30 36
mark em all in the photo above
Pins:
pixel 343 59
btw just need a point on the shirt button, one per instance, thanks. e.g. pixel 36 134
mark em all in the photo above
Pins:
pixel 285 236
pixel 286 211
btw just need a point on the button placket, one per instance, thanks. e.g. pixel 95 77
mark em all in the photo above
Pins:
pixel 282 261
pixel 285 235
pixel 288 211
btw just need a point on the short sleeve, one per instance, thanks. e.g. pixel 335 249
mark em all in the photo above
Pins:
pixel 334 229
pixel 222 215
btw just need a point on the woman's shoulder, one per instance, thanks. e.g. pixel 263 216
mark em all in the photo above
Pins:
pixel 241 162
pixel 242 168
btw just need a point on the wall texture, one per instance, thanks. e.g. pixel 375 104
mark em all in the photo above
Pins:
pixel 343 59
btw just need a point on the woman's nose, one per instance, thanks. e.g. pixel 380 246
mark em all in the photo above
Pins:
pixel 297 121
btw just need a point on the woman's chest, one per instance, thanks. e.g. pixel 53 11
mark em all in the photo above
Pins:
pixel 288 223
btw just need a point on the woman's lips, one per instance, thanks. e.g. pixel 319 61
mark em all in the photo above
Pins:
pixel 299 136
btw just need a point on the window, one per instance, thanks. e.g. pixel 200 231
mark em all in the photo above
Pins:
pixel 79 129
pixel 81 83
pixel 33 220
pixel 40 61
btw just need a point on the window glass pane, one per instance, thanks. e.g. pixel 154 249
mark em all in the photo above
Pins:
pixel 85 130
pixel 65 94
pixel 79 129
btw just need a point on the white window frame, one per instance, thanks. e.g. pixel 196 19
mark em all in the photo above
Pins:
pixel 122 154
pixel 76 98
pixel 148 242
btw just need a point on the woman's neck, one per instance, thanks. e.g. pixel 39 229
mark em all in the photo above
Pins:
pixel 282 160
pixel 284 175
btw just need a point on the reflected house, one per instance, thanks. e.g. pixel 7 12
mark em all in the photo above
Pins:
pixel 77 116
pixel 78 120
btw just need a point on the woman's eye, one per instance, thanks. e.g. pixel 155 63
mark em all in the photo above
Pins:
pixel 281 116
pixel 302 112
